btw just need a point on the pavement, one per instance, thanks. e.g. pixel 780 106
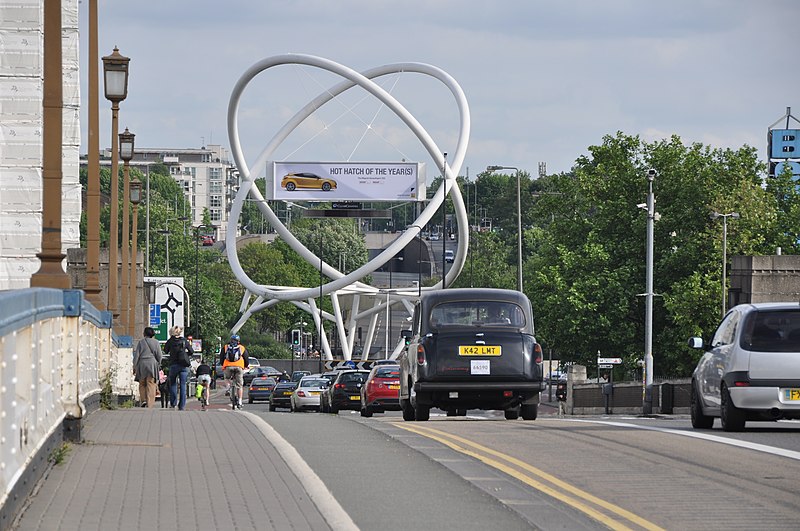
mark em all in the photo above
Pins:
pixel 140 468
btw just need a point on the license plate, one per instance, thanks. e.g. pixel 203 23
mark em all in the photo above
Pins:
pixel 287 393
pixel 355 398
pixel 314 393
pixel 479 350
pixel 260 389
pixel 394 387
pixel 792 395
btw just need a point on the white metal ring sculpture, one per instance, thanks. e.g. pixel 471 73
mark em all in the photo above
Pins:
pixel 269 295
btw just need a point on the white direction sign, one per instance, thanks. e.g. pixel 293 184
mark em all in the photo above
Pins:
pixel 612 361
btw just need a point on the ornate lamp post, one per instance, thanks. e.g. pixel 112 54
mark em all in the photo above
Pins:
pixel 115 78
pixel 126 154
pixel 136 198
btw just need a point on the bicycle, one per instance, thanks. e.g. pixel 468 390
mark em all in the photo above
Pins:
pixel 234 390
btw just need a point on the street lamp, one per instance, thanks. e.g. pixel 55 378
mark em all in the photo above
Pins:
pixel 166 232
pixel 136 198
pixel 115 77
pixel 732 215
pixel 389 315
pixel 126 154
pixel 519 222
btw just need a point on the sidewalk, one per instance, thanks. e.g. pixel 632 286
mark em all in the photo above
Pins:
pixel 168 469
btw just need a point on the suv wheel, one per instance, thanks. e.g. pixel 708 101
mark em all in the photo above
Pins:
pixel 732 417
pixel 699 420
pixel 512 414
pixel 422 413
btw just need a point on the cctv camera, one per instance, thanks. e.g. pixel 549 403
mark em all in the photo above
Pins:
pixel 651 171
pixel 641 205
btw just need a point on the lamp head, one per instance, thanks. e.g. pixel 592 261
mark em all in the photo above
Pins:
pixel 115 76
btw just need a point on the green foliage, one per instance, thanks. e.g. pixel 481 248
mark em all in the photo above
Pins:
pixel 107 399
pixel 59 455
pixel 585 257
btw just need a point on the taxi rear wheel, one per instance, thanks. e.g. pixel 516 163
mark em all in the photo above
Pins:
pixel 408 411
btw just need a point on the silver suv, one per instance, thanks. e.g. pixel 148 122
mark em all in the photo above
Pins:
pixel 751 368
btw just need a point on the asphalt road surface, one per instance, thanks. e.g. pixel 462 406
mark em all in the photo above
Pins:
pixel 481 471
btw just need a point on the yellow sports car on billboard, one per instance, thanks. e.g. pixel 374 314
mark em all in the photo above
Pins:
pixel 308 181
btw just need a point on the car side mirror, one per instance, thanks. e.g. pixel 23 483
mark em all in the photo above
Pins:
pixel 696 342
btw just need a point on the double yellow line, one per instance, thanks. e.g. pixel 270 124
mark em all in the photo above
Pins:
pixel 532 476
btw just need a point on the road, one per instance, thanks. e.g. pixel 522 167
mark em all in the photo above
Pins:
pixel 554 473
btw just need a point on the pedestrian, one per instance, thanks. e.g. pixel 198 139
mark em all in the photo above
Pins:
pixel 146 364
pixel 180 353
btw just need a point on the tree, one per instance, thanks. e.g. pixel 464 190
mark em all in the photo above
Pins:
pixel 585 265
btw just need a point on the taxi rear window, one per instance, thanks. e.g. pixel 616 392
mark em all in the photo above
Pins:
pixel 477 313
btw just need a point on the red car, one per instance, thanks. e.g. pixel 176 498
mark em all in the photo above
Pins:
pixel 381 391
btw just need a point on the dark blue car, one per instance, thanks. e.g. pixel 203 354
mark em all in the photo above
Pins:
pixel 260 389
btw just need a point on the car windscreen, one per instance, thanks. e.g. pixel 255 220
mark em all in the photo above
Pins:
pixel 772 331
pixel 352 377
pixel 477 313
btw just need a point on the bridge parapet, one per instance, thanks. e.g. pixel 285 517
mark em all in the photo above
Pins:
pixel 54 349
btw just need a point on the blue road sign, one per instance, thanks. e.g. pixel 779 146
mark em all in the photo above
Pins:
pixel 155 314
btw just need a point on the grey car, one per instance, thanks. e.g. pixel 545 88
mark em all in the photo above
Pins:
pixel 751 368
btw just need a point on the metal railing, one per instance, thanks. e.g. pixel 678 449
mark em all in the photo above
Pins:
pixel 55 348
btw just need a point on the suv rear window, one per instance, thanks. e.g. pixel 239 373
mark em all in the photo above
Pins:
pixel 772 331
pixel 477 313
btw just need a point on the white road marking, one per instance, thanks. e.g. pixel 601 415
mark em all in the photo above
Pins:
pixel 333 513
pixel 791 454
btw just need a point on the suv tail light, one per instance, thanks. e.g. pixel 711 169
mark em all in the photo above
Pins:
pixel 338 386
pixel 420 355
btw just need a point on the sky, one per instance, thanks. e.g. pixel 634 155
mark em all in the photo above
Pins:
pixel 544 80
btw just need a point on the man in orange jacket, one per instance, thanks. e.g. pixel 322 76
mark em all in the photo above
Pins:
pixel 234 361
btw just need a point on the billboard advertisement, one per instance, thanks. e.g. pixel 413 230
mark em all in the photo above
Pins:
pixel 347 181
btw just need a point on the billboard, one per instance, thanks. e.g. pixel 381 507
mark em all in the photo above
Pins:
pixel 347 181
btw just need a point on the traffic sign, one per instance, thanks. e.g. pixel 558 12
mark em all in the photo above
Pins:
pixel 605 366
pixel 155 314
pixel 613 361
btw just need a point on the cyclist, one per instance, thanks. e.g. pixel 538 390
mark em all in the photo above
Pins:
pixel 234 360
pixel 203 373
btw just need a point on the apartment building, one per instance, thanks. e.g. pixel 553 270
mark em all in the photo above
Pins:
pixel 206 175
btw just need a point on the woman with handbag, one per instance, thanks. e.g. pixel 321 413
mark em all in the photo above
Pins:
pixel 146 364
pixel 180 355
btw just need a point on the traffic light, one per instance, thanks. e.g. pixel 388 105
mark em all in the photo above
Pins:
pixel 295 337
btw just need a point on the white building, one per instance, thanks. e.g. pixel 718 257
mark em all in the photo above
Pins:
pixel 206 175
pixel 21 96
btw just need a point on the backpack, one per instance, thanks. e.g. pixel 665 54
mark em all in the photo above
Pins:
pixel 233 353
pixel 178 353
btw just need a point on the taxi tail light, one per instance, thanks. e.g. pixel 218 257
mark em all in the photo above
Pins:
pixel 301 393
pixel 537 352
pixel 741 384
pixel 508 394
pixel 420 355
pixel 338 386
